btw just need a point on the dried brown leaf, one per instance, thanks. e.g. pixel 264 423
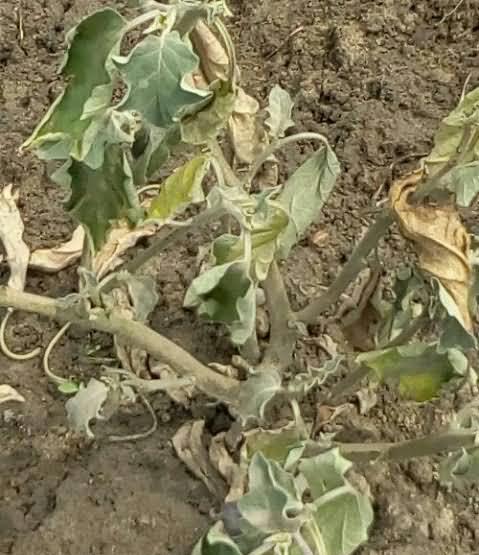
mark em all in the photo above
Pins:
pixel 8 393
pixel 246 136
pixel 214 61
pixel 440 240
pixel 11 235
pixel 57 258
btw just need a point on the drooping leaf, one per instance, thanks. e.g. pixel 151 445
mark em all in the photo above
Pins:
pixel 271 504
pixel 442 244
pixel 342 514
pixel 207 123
pixel 246 135
pixel 226 293
pixel 214 61
pixel 180 189
pixel 457 141
pixel 86 405
pixel 419 368
pixel 256 393
pixel 102 196
pixel 155 72
pixel 11 236
pixel 280 108
pixel 305 193
pixel 276 445
pixel 57 258
pixel 87 69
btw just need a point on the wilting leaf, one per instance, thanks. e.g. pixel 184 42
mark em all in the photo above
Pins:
pixel 216 542
pixel 458 132
pixel 271 505
pixel 155 71
pixel 442 244
pixel 207 123
pixel 8 393
pixel 420 369
pixel 11 236
pixel 461 469
pixel 99 197
pixel 246 136
pixel 303 382
pixel 188 445
pixel 86 405
pixel 87 69
pixel 256 393
pixel 275 445
pixel 305 193
pixel 280 109
pixel 181 188
pixel 265 228
pixel 226 293
pixel 214 61
pixel 343 519
pixel 57 258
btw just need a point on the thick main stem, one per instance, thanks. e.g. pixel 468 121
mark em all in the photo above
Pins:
pixel 213 384
pixel 311 313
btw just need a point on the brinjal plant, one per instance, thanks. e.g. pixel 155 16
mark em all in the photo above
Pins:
pixel 153 138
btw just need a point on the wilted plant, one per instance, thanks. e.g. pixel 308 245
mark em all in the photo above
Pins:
pixel 120 121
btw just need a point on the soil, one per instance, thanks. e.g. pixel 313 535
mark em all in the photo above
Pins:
pixel 375 76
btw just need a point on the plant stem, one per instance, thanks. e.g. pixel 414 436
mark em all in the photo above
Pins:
pixel 273 147
pixel 131 332
pixel 311 313
pixel 171 237
pixel 279 352
pixel 426 446
pixel 228 173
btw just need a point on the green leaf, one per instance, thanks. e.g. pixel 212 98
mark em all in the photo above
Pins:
pixel 271 504
pixel 420 369
pixel 227 294
pixel 87 69
pixel 280 108
pixel 206 124
pixel 86 405
pixel 256 393
pixel 182 188
pixel 100 196
pixel 276 445
pixel 342 515
pixel 305 193
pixel 216 542
pixel 457 132
pixel 155 72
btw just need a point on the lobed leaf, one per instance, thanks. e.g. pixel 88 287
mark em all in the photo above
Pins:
pixel 305 193
pixel 86 406
pixel 256 393
pixel 155 72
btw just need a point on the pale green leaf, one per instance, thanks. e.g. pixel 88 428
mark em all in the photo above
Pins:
pixel 155 72
pixel 342 515
pixel 68 387
pixel 280 108
pixel 182 188
pixel 87 69
pixel 256 393
pixel 216 542
pixel 227 294
pixel 301 383
pixel 86 406
pixel 100 196
pixel 419 368
pixel 271 504
pixel 305 193
pixel 207 123
pixel 276 445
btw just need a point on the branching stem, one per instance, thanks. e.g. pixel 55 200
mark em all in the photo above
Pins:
pixel 311 313
pixel 131 332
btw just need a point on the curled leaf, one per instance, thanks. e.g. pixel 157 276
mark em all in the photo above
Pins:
pixel 214 61
pixel 441 242
pixel 8 393
pixel 256 393
pixel 11 235
pixel 280 108
pixel 245 134
pixel 57 258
